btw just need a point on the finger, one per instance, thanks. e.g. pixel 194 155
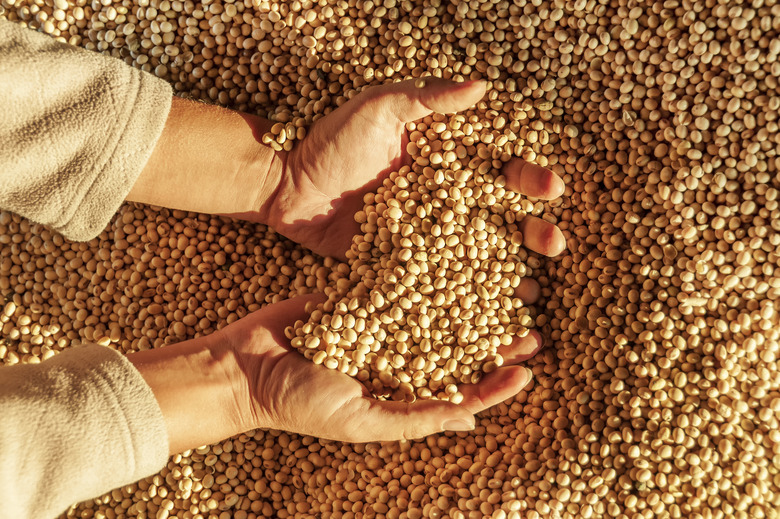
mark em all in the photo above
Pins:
pixel 294 308
pixel 521 349
pixel 532 180
pixel 384 420
pixel 415 98
pixel 541 236
pixel 528 291
pixel 496 387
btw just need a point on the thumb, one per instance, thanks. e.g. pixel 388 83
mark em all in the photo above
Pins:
pixel 384 420
pixel 415 98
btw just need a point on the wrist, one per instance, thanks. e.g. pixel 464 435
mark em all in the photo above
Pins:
pixel 270 172
pixel 210 160
pixel 195 384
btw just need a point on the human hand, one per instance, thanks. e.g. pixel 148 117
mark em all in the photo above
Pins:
pixel 351 150
pixel 280 389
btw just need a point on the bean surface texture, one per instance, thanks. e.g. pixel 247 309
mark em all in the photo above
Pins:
pixel 658 391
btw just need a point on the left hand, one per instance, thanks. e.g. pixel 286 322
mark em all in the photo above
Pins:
pixel 351 150
pixel 247 376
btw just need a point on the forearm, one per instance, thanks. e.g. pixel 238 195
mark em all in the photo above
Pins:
pixel 194 384
pixel 210 160
pixel 72 144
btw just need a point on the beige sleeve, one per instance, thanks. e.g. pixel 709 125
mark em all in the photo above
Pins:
pixel 76 130
pixel 73 427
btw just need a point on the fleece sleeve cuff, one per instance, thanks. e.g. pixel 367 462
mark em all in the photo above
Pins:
pixel 77 129
pixel 73 427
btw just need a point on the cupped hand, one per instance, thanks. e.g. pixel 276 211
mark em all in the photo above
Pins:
pixel 281 389
pixel 351 150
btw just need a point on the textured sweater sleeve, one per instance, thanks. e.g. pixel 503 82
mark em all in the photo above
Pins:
pixel 73 427
pixel 76 130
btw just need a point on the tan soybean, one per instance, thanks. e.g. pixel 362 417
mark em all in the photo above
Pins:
pixel 657 394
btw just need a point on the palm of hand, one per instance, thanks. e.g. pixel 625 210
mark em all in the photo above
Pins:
pixel 345 155
pixel 284 390
pixel 296 395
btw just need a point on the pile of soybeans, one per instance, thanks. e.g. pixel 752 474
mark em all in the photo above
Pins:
pixel 658 391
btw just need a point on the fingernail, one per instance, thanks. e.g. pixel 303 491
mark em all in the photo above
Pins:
pixel 529 376
pixel 458 425
pixel 558 186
